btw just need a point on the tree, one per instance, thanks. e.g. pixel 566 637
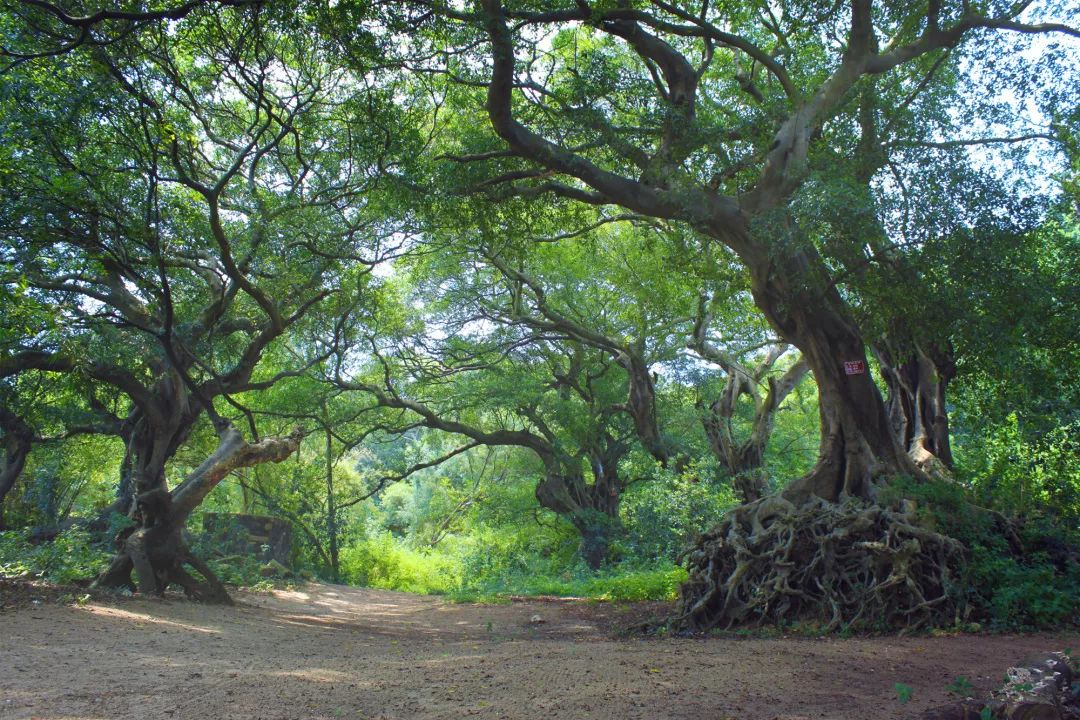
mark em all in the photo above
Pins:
pixel 37 412
pixel 637 315
pixel 18 437
pixel 743 459
pixel 184 205
pixel 727 119
pixel 555 400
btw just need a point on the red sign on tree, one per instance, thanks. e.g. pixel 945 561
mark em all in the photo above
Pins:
pixel 854 367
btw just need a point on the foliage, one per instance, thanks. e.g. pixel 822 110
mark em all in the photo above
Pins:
pixel 382 563
pixel 497 548
pixel 1033 585
pixel 324 217
pixel 959 686
pixel 615 583
pixel 1024 473
pixel 666 510
pixel 71 557
pixel 63 479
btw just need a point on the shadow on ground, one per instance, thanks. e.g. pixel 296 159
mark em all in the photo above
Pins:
pixel 326 651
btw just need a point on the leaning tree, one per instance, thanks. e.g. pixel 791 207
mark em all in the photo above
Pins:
pixel 195 205
pixel 742 121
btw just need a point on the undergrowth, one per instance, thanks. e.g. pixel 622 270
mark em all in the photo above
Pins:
pixel 1020 574
pixel 72 557
pixel 614 583
pixel 491 571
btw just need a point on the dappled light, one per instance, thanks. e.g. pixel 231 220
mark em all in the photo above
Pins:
pixel 372 654
pixel 145 619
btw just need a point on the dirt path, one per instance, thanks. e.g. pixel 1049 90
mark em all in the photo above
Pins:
pixel 338 652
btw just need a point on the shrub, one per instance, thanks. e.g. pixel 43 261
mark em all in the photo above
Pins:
pixel 383 563
pixel 664 514
pixel 660 582
pixel 1011 579
pixel 72 556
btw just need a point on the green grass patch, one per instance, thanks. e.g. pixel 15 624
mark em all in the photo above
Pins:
pixel 616 584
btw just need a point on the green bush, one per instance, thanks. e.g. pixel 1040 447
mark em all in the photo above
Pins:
pixel 613 583
pixel 664 514
pixel 1030 594
pixel 382 562
pixel 71 557
pixel 1007 586
pixel 239 570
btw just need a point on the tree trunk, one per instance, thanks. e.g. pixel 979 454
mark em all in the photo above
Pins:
pixel 824 548
pixel 857 442
pixel 18 438
pixel 641 405
pixel 743 461
pixel 154 547
pixel 331 501
pixel 916 406
pixel 596 534
pixel 593 509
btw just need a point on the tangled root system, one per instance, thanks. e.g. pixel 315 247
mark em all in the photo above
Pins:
pixel 853 563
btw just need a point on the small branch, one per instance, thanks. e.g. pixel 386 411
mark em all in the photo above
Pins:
pixel 949 144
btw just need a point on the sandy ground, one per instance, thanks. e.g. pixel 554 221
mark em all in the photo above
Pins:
pixel 328 651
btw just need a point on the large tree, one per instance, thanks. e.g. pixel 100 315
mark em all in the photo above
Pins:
pixel 195 208
pixel 452 369
pixel 743 122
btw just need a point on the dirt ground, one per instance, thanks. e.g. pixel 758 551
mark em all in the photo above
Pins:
pixel 328 651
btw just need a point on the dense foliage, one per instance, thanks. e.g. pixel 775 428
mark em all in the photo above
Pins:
pixel 501 299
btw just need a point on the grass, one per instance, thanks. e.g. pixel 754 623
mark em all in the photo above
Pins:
pixel 612 584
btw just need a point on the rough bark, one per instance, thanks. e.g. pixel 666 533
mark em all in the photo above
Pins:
pixel 155 549
pixel 18 439
pixel 916 405
pixel 641 405
pixel 742 459
pixel 857 442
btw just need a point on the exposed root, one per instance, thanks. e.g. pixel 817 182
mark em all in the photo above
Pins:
pixel 847 563
pixel 157 563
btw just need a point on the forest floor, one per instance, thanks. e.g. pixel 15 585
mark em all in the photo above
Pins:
pixel 327 651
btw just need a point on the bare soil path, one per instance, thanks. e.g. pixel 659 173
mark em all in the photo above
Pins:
pixel 327 651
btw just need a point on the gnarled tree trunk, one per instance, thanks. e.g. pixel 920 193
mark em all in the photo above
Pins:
pixel 916 405
pixel 823 548
pixel 857 441
pixel 18 439
pixel 592 508
pixel 155 549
